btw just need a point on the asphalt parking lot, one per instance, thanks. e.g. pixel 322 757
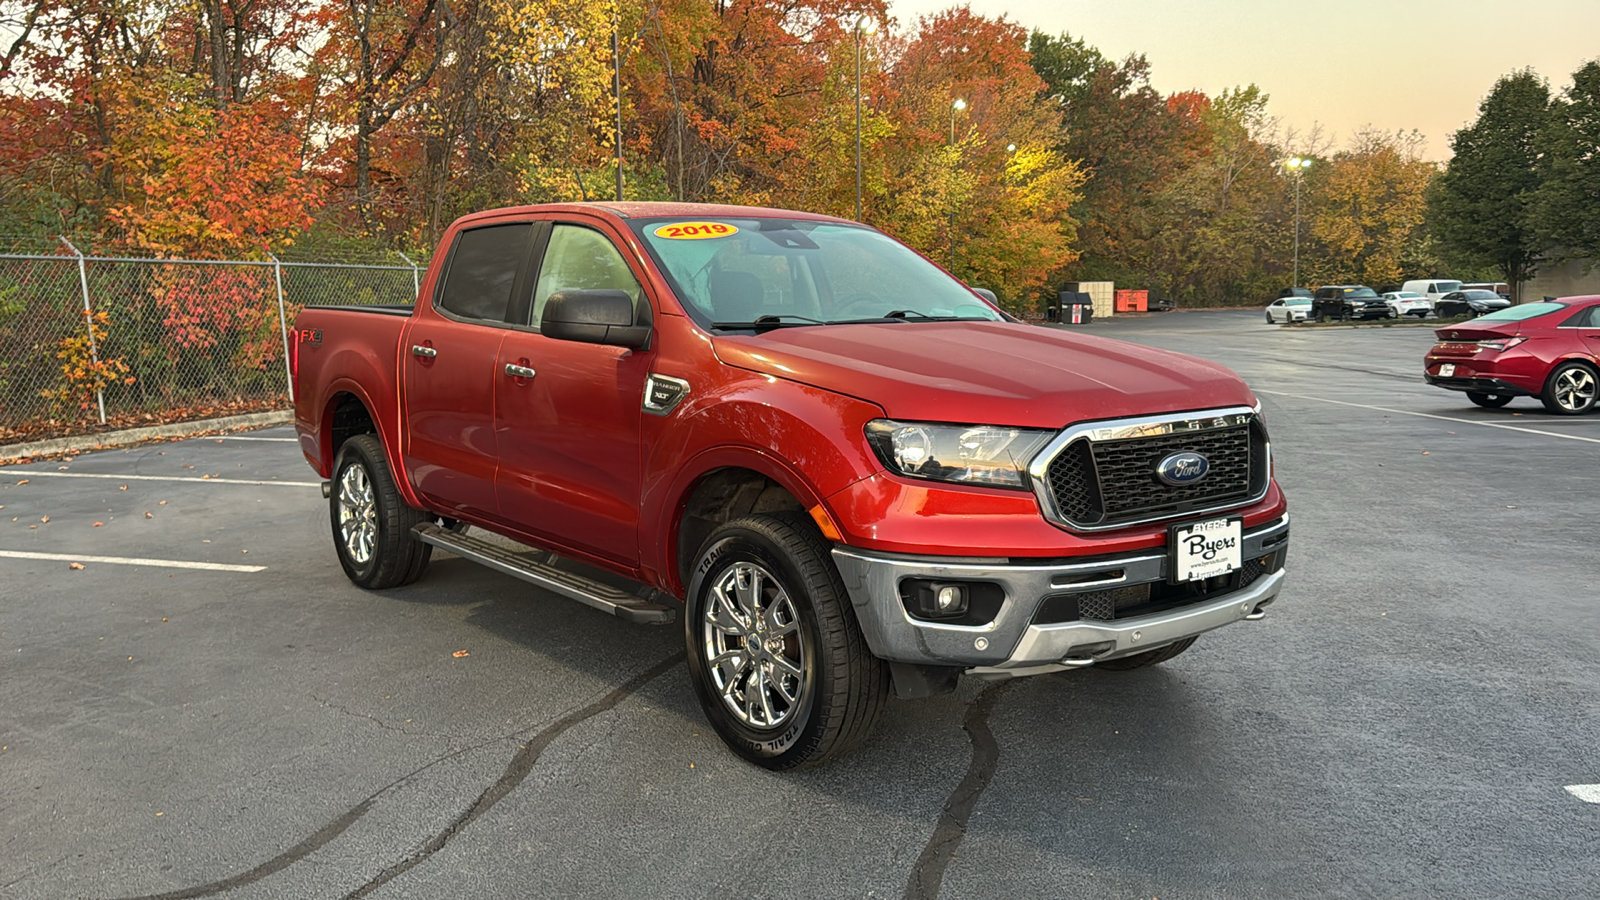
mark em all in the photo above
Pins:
pixel 207 707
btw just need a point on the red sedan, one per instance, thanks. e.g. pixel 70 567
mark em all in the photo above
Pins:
pixel 1549 350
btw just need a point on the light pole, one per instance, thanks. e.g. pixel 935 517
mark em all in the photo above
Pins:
pixel 864 26
pixel 955 107
pixel 1298 165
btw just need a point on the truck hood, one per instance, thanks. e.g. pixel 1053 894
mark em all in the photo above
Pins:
pixel 996 373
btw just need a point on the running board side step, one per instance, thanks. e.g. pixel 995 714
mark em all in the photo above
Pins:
pixel 604 597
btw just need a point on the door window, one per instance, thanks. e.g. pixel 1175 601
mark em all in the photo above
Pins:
pixel 483 269
pixel 581 258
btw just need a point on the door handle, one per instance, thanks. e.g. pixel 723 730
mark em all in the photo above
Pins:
pixel 424 352
pixel 516 371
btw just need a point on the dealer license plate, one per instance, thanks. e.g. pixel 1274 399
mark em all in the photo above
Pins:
pixel 1203 550
pixel 1446 370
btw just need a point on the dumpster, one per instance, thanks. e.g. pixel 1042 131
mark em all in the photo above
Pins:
pixel 1133 301
pixel 1071 308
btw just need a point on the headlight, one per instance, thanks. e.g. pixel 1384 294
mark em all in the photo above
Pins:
pixel 989 455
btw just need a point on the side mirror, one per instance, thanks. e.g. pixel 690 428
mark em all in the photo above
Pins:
pixel 593 317
pixel 987 294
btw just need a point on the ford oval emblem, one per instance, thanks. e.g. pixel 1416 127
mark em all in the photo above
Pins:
pixel 1180 469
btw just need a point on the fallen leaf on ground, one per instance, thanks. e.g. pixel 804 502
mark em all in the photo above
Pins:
pixel 79 566
pixel 44 518
pixel 99 524
pixel 162 503
pixel 460 653
pixel 22 482
pixel 148 516
pixel 61 468
pixel 244 551
pixel 205 476
pixel 123 488
pixel 1424 453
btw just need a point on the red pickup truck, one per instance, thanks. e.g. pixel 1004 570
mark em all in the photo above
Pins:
pixel 850 473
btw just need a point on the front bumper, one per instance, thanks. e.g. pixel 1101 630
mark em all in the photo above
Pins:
pixel 1038 627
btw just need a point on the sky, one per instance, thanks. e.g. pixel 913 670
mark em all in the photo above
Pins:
pixel 1344 65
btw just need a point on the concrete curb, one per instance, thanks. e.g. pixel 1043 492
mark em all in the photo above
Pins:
pixel 123 438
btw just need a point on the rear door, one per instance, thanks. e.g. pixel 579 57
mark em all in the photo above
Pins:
pixel 448 359
pixel 568 414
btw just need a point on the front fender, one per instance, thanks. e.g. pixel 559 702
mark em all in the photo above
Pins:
pixel 807 440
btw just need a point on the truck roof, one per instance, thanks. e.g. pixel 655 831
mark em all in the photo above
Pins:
pixel 647 209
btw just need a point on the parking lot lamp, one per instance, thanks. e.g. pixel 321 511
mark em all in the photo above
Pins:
pixel 1297 165
pixel 955 107
pixel 864 26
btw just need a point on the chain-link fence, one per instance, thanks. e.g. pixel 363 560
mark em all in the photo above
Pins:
pixel 91 340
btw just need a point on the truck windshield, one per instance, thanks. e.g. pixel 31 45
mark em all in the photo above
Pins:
pixel 773 273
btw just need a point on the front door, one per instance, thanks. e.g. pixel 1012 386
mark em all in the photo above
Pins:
pixel 448 363
pixel 568 414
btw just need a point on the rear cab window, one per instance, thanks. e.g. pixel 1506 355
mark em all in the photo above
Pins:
pixel 482 272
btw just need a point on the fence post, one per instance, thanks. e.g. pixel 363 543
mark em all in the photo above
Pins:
pixel 416 283
pixel 283 325
pixel 88 323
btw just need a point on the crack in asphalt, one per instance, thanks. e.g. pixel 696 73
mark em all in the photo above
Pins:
pixel 520 766
pixel 329 704
pixel 928 874
pixel 518 769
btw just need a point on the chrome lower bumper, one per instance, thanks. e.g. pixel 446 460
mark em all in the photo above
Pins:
pixel 1013 643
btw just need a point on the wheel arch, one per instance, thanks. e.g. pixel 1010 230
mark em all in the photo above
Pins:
pixel 349 411
pixel 728 483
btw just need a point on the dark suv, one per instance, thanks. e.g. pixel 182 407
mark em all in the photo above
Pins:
pixel 1348 301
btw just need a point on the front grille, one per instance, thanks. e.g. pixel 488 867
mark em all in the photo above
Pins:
pixel 1101 484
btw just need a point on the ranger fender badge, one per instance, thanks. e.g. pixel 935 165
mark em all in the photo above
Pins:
pixel 663 393
pixel 1181 469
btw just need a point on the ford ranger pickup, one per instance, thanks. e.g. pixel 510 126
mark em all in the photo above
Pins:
pixel 847 474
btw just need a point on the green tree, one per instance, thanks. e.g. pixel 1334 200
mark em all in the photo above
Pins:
pixel 1479 206
pixel 1566 205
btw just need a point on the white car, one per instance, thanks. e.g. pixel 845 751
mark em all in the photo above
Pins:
pixel 1408 303
pixel 1288 309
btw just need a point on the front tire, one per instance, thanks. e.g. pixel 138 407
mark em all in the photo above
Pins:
pixel 1488 401
pixel 777 659
pixel 1570 390
pixel 371 521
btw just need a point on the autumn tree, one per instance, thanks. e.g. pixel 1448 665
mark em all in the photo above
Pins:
pixel 1479 208
pixel 1365 204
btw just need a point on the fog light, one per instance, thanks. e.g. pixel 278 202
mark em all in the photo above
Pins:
pixel 927 599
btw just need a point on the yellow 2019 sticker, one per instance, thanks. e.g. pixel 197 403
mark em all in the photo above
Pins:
pixel 695 231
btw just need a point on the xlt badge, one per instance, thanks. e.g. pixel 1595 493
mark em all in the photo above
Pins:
pixel 663 393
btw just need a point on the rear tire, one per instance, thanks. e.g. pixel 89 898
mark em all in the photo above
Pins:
pixel 1148 658
pixel 776 656
pixel 371 521
pixel 1488 401
pixel 1570 390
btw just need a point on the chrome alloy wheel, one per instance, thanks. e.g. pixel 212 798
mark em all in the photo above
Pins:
pixel 754 646
pixel 1575 389
pixel 358 514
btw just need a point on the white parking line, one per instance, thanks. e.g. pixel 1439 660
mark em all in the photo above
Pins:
pixel 1588 793
pixel 1421 415
pixel 313 484
pixel 278 440
pixel 132 561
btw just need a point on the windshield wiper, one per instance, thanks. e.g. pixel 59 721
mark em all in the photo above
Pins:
pixel 771 321
pixel 902 313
